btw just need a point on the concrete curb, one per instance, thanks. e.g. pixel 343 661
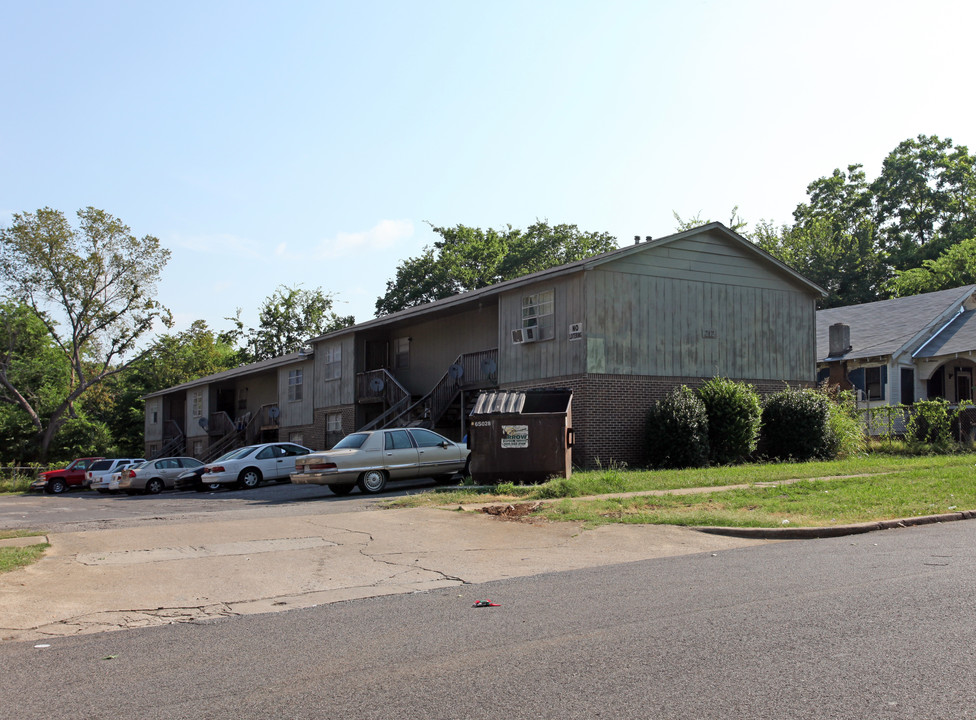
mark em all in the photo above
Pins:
pixel 24 541
pixel 813 533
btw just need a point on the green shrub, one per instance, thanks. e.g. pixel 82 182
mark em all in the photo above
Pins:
pixel 734 417
pixel 930 424
pixel 846 437
pixel 677 431
pixel 795 425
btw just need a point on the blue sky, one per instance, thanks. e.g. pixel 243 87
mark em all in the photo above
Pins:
pixel 311 142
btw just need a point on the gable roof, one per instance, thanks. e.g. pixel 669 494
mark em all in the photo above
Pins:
pixel 585 264
pixel 888 327
pixel 958 336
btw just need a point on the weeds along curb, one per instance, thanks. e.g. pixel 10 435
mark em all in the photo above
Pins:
pixel 812 533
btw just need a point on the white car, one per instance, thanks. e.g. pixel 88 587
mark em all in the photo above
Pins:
pixel 249 466
pixel 369 459
pixel 99 475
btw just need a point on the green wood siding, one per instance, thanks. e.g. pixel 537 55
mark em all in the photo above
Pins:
pixel 651 325
pixel 545 358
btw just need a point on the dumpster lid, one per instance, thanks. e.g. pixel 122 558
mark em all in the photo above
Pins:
pixel 499 402
pixel 519 401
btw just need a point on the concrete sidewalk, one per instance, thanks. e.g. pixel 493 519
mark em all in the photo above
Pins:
pixel 136 577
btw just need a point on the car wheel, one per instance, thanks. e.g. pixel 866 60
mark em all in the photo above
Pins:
pixel 154 486
pixel 204 487
pixel 372 481
pixel 341 489
pixel 56 486
pixel 249 478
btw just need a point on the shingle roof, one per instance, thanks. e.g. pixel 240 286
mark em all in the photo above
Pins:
pixel 888 326
pixel 959 336
pixel 584 264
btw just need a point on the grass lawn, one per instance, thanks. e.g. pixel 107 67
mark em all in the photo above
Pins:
pixel 12 558
pixel 874 487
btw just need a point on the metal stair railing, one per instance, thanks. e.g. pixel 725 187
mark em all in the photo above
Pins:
pixel 174 444
pixel 476 369
pixel 391 391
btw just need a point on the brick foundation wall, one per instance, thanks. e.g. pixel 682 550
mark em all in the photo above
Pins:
pixel 317 437
pixel 307 431
pixel 609 412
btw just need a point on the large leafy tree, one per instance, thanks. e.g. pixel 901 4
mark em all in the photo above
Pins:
pixel 289 318
pixel 833 240
pixel 38 370
pixel 925 199
pixel 467 258
pixel 172 359
pixel 853 236
pixel 93 289
pixel 955 267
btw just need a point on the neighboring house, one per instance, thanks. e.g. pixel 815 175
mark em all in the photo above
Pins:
pixel 619 329
pixel 902 350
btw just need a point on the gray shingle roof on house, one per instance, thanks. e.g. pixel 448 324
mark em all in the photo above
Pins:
pixel 886 327
pixel 959 336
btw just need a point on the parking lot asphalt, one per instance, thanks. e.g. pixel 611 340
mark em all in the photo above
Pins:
pixel 113 579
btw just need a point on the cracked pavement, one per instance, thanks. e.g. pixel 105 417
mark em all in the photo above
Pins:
pixel 114 579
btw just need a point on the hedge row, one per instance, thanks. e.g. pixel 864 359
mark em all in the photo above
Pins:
pixel 724 422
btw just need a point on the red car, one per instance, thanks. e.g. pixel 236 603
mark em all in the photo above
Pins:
pixel 57 481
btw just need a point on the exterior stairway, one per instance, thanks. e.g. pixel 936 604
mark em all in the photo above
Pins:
pixel 470 371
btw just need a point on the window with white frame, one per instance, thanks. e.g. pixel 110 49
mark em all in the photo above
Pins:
pixel 295 384
pixel 154 413
pixel 332 355
pixel 297 438
pixel 401 353
pixel 196 403
pixel 333 423
pixel 537 313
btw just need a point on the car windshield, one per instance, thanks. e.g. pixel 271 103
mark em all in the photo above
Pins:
pixel 101 465
pixel 239 453
pixel 139 465
pixel 355 440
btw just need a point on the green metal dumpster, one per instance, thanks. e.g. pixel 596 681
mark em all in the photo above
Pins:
pixel 521 436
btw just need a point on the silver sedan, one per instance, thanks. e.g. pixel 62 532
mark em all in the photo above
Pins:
pixel 370 459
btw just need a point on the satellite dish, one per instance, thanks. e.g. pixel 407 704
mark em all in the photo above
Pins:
pixel 376 384
pixel 203 422
pixel 455 371
pixel 274 412
pixel 489 366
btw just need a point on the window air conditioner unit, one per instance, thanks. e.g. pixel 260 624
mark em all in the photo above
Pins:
pixel 531 334
pixel 517 337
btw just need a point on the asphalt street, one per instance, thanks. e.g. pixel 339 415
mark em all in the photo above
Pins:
pixel 870 626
